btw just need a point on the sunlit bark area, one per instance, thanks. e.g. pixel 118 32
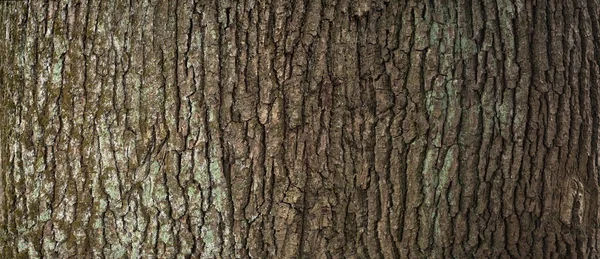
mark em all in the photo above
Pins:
pixel 299 129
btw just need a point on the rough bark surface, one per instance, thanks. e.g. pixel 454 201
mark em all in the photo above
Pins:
pixel 299 129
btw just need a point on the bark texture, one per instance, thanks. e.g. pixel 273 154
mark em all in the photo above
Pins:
pixel 299 129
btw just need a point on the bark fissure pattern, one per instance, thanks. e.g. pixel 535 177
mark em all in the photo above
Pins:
pixel 299 129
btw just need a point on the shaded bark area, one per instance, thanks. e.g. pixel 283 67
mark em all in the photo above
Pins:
pixel 299 129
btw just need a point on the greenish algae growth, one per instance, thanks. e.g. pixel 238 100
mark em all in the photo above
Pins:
pixel 56 72
pixel 451 157
pixel 208 237
pixel 118 251
pixel 45 216
pixel 201 175
pixel 434 32
pixel 164 234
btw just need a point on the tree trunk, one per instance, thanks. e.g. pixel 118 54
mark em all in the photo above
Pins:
pixel 299 129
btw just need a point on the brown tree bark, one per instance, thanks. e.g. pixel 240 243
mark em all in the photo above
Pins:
pixel 299 129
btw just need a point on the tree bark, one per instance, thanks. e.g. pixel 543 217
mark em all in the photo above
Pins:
pixel 299 129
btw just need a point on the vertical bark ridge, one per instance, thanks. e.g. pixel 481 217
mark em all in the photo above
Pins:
pixel 297 129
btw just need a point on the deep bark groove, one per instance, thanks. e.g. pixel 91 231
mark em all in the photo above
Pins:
pixel 299 129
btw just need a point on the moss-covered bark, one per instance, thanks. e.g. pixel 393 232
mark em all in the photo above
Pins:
pixel 299 129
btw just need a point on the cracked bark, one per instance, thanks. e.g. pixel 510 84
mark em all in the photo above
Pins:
pixel 299 129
